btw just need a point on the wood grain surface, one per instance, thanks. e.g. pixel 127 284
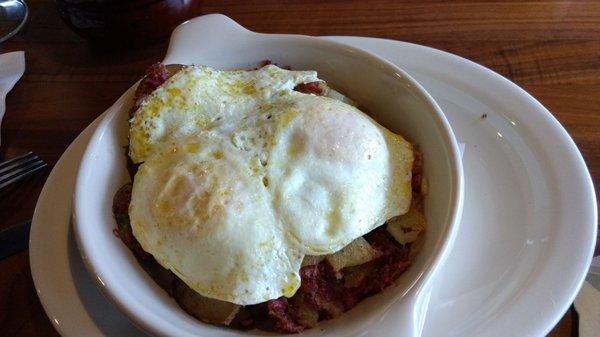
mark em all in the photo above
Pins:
pixel 550 48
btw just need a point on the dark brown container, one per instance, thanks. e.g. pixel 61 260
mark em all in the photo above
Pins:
pixel 125 22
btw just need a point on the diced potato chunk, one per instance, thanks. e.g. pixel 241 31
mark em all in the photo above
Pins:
pixel 354 276
pixel 339 96
pixel 357 252
pixel 205 309
pixel 304 312
pixel 407 227
pixel 311 260
pixel 173 68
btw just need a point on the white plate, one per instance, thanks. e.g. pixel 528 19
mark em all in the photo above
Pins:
pixel 524 244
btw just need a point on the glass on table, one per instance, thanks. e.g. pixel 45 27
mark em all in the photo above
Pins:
pixel 125 22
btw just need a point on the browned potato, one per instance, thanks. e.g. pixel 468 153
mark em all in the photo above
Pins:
pixel 304 313
pixel 173 68
pixel 407 227
pixel 357 252
pixel 354 276
pixel 311 260
pixel 203 308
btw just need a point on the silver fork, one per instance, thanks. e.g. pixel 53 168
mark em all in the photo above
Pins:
pixel 19 168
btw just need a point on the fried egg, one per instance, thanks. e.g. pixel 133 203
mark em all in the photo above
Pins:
pixel 241 177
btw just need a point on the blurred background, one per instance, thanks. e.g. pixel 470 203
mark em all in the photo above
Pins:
pixel 81 55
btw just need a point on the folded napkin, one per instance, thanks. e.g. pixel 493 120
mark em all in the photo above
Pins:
pixel 12 67
pixel 587 302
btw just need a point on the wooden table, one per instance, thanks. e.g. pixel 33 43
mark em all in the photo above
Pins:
pixel 550 48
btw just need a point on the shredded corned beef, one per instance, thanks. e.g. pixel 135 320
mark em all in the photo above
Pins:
pixel 323 291
pixel 156 75
pixel 123 231
pixel 310 88
pixel 389 267
pixel 283 320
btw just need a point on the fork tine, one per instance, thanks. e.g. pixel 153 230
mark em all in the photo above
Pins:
pixel 15 159
pixel 21 168
pixel 21 173
pixel 21 160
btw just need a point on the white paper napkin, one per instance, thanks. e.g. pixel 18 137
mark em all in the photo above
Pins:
pixel 12 67
pixel 587 302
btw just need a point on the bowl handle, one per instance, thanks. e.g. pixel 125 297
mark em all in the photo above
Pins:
pixel 197 35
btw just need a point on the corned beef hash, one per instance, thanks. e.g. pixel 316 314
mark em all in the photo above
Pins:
pixel 268 199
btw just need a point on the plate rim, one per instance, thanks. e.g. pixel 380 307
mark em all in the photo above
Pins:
pixel 586 250
pixel 446 55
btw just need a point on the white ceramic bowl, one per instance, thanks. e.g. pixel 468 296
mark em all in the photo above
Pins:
pixel 393 98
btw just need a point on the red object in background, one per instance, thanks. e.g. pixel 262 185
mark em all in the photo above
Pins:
pixel 125 22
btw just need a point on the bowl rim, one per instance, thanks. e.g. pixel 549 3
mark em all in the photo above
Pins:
pixel 432 264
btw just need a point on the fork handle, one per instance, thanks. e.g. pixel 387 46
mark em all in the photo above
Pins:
pixel 14 239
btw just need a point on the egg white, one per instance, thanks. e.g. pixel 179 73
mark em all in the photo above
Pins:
pixel 241 177
pixel 336 174
pixel 200 98
pixel 201 213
